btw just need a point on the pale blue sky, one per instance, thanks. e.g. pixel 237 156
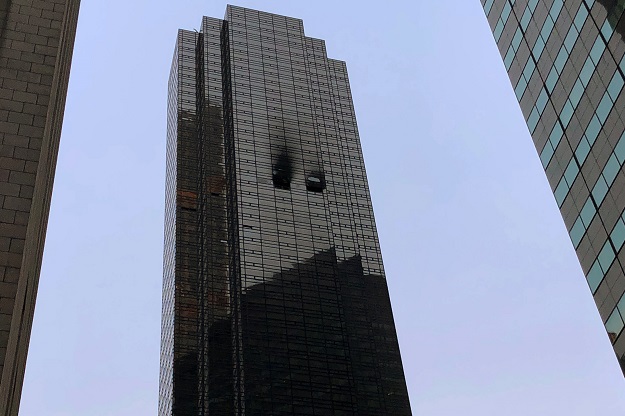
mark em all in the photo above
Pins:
pixel 493 314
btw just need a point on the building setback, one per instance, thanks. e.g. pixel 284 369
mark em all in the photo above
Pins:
pixel 36 44
pixel 274 297
pixel 565 61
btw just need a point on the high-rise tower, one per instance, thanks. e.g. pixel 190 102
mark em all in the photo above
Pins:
pixel 36 44
pixel 275 300
pixel 566 63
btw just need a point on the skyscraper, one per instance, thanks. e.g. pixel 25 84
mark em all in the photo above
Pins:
pixel 274 296
pixel 36 44
pixel 565 62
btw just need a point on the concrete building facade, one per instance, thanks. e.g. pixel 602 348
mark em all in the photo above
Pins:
pixel 36 44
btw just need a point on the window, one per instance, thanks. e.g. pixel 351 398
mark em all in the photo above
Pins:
pixel 282 171
pixel 315 182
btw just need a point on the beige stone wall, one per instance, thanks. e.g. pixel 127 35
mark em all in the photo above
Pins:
pixel 36 42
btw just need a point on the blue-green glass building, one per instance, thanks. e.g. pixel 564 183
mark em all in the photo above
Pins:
pixel 565 60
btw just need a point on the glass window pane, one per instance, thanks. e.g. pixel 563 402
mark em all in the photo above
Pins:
pixel 571 38
pixel 577 232
pixel 498 30
pixel 614 325
pixel 561 191
pixel 583 148
pixel 532 121
pixel 621 304
pixel 520 88
pixel 586 72
pixel 541 102
pixel 505 13
pixel 567 113
pixel 597 50
pixel 538 48
pixel 516 40
pixel 552 79
pixel 487 6
pixel 606 257
pixel 619 150
pixel 571 172
pixel 593 129
pixel 588 212
pixel 594 277
pixel 604 108
pixel 555 9
pixel 580 18
pixel 600 190
pixel 618 235
pixel 547 28
pixel 561 60
pixel 546 154
pixel 614 89
pixel 606 30
pixel 509 58
pixel 556 135
pixel 611 169
pixel 529 69
pixel 576 92
pixel 525 20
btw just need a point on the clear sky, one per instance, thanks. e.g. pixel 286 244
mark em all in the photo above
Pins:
pixel 493 314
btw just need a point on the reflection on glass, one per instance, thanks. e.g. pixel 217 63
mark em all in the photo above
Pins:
pixel 275 300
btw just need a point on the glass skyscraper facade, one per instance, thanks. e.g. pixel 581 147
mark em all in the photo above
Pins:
pixel 565 60
pixel 274 296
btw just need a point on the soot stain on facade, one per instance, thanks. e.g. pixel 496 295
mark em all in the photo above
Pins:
pixel 274 294
pixel 282 169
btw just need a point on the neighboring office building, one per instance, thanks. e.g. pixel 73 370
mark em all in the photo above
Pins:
pixel 274 298
pixel 566 63
pixel 36 44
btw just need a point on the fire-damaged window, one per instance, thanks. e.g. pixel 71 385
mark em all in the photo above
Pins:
pixel 282 172
pixel 315 182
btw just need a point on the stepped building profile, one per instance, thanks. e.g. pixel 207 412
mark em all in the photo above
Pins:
pixel 274 299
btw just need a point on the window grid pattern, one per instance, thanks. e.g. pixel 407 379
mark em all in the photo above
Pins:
pixel 616 321
pixel 275 298
pixel 565 61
